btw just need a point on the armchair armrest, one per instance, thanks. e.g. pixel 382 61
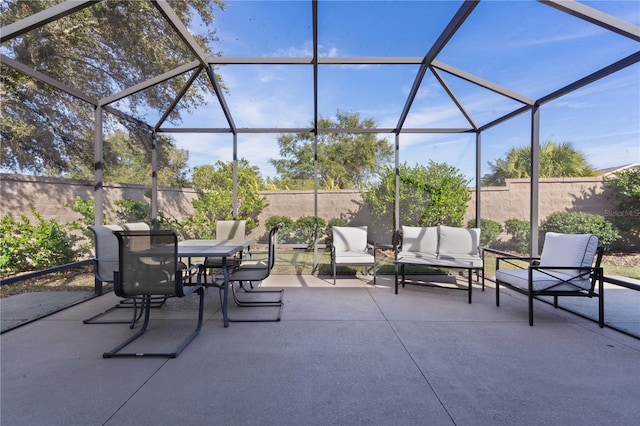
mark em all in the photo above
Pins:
pixel 511 258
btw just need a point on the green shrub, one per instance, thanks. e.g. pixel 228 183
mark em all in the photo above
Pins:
pixel 580 223
pixel 519 232
pixel 489 230
pixel 303 229
pixel 436 194
pixel 624 195
pixel 130 210
pixel 32 247
pixel 284 235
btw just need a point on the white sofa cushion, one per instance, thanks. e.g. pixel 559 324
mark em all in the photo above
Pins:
pixel 417 257
pixel 459 261
pixel 456 241
pixel 420 239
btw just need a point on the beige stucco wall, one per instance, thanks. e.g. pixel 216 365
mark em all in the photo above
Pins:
pixel 500 203
pixel 20 195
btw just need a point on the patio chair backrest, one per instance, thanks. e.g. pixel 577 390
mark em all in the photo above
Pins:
pixel 136 226
pixel 230 229
pixel 141 244
pixel 106 251
pixel 153 270
pixel 350 239
pixel 273 244
pixel 565 250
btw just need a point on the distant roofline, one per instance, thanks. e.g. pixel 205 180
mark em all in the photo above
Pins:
pixel 613 170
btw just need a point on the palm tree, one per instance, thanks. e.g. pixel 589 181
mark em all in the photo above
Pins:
pixel 556 160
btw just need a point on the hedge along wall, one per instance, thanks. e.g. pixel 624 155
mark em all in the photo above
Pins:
pixel 21 194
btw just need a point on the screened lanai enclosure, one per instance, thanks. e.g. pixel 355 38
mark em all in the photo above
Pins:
pixel 434 88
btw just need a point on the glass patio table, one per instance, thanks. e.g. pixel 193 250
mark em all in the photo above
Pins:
pixel 222 249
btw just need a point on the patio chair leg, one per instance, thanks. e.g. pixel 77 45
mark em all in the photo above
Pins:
pixel 146 308
pixel 601 302
pixel 530 309
pixel 115 353
pixel 396 271
pixel 249 303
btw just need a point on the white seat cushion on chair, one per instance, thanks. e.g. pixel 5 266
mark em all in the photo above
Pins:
pixel 354 258
pixel 541 281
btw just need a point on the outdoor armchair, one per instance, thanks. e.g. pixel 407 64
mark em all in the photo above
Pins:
pixel 566 267
pixel 350 246
pixel 141 279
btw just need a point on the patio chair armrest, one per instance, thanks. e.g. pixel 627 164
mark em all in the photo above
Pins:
pixel 511 258
pixel 189 269
pixel 188 287
pixel 558 268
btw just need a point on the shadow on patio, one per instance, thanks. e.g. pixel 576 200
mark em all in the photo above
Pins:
pixel 350 354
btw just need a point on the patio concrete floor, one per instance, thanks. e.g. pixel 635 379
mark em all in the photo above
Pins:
pixel 348 354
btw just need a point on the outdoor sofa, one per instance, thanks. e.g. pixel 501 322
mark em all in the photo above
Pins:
pixel 440 247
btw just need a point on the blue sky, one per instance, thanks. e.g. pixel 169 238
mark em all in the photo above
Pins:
pixel 521 45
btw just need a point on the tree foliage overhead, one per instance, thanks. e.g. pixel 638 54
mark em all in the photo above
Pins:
pixel 556 160
pixel 100 50
pixel 126 160
pixel 345 160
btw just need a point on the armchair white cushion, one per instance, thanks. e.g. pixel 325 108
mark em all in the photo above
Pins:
pixel 553 275
pixel 351 247
pixel 559 250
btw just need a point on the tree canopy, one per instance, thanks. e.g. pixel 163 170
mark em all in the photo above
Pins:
pixel 345 160
pixel 44 130
pixel 556 160
pixel 127 160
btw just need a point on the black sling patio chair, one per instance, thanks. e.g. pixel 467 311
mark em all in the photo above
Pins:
pixel 105 262
pixel 148 267
pixel 253 272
